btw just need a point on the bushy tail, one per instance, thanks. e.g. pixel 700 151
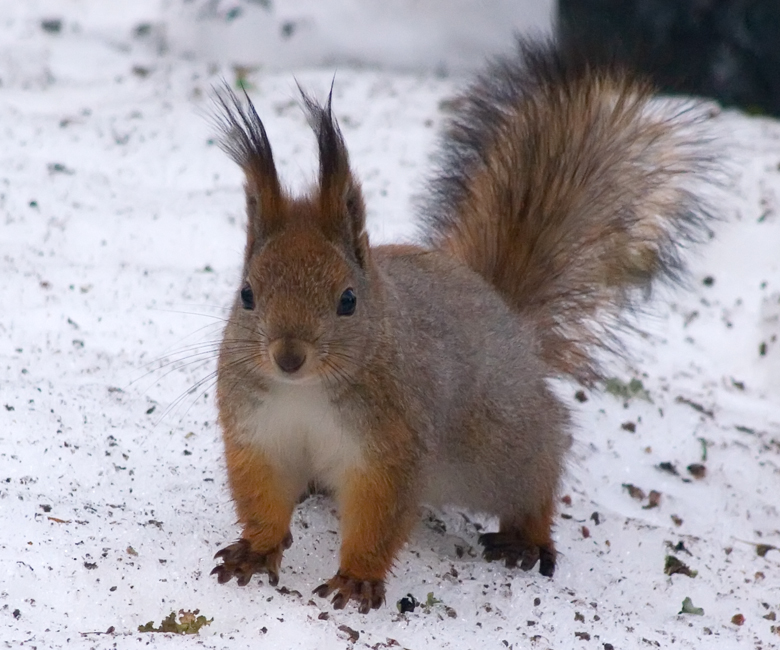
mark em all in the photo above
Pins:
pixel 568 189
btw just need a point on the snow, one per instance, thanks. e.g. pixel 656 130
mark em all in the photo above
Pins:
pixel 435 35
pixel 122 237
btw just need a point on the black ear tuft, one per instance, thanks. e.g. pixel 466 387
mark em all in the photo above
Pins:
pixel 334 160
pixel 342 211
pixel 243 138
pixel 243 135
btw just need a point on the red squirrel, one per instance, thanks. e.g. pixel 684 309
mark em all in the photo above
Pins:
pixel 406 374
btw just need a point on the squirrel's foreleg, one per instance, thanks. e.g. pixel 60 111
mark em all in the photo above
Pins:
pixel 264 504
pixel 378 509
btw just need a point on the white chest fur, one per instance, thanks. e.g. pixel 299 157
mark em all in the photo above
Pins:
pixel 301 430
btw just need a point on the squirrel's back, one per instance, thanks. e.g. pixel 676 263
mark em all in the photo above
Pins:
pixel 476 387
pixel 568 188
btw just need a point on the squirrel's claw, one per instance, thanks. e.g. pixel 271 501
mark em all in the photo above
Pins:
pixel 511 548
pixel 370 594
pixel 239 561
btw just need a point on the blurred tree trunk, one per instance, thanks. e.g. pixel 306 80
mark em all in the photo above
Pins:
pixel 726 49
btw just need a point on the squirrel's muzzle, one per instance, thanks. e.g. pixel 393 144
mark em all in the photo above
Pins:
pixel 289 355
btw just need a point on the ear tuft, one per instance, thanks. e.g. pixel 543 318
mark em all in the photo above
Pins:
pixel 243 135
pixel 334 160
pixel 342 210
pixel 243 138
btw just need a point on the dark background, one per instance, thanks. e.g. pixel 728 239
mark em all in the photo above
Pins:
pixel 725 49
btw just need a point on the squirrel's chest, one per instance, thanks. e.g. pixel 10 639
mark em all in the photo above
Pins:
pixel 303 432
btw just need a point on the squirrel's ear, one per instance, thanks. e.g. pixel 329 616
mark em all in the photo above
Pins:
pixel 342 212
pixel 244 139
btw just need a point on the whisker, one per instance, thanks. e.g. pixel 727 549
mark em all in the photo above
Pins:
pixel 169 410
pixel 244 360
pixel 191 352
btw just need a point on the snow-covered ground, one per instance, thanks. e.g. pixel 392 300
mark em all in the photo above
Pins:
pixel 121 240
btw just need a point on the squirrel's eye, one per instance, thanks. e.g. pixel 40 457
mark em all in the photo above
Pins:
pixel 247 297
pixel 347 303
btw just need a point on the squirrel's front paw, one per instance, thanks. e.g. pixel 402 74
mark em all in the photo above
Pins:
pixel 239 561
pixel 512 548
pixel 370 594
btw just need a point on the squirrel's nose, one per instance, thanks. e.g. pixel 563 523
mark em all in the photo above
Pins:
pixel 289 355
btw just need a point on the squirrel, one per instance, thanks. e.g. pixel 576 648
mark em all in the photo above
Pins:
pixel 398 375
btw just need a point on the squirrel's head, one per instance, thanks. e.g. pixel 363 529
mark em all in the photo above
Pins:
pixel 301 313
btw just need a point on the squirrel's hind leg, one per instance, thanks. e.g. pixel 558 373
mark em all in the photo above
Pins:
pixel 525 540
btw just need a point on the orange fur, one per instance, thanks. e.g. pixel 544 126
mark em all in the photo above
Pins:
pixel 567 191
pixel 264 508
pixel 535 529
pixel 375 522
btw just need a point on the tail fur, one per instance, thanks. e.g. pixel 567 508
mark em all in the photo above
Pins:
pixel 568 189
